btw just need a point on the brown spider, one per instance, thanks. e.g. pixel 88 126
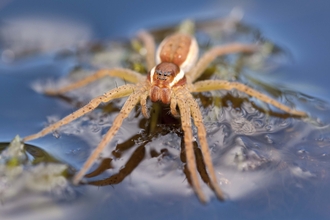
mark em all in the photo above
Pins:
pixel 170 80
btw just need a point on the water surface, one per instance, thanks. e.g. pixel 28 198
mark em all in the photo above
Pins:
pixel 273 167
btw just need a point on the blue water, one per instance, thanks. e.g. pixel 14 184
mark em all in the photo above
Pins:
pixel 300 27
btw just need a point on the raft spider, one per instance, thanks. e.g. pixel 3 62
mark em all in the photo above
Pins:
pixel 170 80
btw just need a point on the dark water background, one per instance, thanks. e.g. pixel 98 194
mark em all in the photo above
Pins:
pixel 301 27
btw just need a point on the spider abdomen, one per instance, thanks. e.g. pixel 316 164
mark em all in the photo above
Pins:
pixel 180 49
pixel 175 49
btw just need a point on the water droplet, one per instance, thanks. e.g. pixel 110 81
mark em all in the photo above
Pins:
pixel 269 128
pixel 302 151
pixel 268 139
pixel 319 139
pixel 95 128
pixel 56 134
pixel 258 123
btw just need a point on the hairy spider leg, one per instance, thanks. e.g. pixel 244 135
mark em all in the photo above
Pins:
pixel 201 132
pixel 125 74
pixel 115 93
pixel 209 85
pixel 130 103
pixel 143 103
pixel 173 105
pixel 149 44
pixel 119 92
pixel 215 52
pixel 191 160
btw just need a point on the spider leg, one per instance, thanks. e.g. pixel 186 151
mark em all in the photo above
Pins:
pixel 188 140
pixel 125 111
pixel 198 120
pixel 119 92
pixel 150 47
pixel 209 85
pixel 213 53
pixel 143 103
pixel 126 74
pixel 173 105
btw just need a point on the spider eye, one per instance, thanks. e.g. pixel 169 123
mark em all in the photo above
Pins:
pixel 163 73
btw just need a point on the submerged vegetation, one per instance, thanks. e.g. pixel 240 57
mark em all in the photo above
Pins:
pixel 28 169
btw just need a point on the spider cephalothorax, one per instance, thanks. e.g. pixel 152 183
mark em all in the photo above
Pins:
pixel 172 73
pixel 163 78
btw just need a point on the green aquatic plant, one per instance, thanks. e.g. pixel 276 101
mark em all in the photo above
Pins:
pixel 20 174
